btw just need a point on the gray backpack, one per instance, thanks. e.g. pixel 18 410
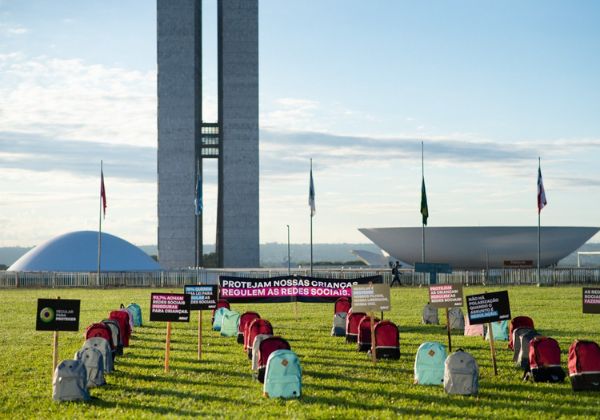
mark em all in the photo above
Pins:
pixel 523 358
pixel 69 382
pixel 94 365
pixel 430 315
pixel 516 336
pixel 461 374
pixel 339 324
pixel 101 345
pixel 456 319
pixel 116 336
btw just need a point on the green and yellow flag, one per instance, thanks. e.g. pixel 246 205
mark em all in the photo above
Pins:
pixel 424 209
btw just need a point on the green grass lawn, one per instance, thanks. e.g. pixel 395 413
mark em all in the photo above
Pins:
pixel 337 380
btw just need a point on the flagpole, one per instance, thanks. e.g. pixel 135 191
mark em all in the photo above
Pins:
pixel 99 228
pixel 538 232
pixel 311 227
pixel 422 223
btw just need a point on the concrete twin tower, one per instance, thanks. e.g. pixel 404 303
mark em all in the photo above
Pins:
pixel 185 139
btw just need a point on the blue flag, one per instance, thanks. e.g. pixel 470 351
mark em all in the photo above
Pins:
pixel 311 195
pixel 198 199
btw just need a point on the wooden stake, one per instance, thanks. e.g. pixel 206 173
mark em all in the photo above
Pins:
pixel 168 347
pixel 493 350
pixel 373 355
pixel 199 335
pixel 54 352
pixel 449 334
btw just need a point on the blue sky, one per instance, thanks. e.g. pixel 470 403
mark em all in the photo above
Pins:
pixel 487 86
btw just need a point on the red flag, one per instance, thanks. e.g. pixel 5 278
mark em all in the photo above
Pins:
pixel 102 192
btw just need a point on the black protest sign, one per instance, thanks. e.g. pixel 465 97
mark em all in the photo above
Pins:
pixel 170 307
pixel 488 307
pixel 446 295
pixel 591 300
pixel 202 297
pixel 57 315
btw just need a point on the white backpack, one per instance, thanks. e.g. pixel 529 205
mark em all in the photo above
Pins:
pixel 461 374
pixel 255 346
pixel 94 365
pixel 339 324
pixel 69 382
pixel 430 315
pixel 101 344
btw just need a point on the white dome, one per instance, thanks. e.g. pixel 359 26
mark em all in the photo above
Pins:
pixel 78 252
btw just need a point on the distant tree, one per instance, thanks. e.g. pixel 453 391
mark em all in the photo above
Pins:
pixel 210 260
pixel 3 267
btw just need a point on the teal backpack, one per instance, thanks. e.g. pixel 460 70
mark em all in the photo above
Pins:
pixel 136 312
pixel 230 324
pixel 219 318
pixel 429 363
pixel 500 330
pixel 283 377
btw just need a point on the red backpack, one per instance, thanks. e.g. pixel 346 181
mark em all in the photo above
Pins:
pixel 102 330
pixel 342 305
pixel 122 317
pixel 352 321
pixel 584 365
pixel 518 322
pixel 364 333
pixel 544 360
pixel 268 346
pixel 245 319
pixel 257 326
pixel 387 340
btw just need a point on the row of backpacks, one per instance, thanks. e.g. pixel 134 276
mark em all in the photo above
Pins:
pixel 275 365
pixel 356 327
pixel 104 341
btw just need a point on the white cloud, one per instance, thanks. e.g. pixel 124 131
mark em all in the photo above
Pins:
pixel 7 29
pixel 74 100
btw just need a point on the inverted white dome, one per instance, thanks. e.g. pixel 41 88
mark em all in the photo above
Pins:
pixel 78 252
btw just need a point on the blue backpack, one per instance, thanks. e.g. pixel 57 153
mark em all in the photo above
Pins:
pixel 136 313
pixel 219 318
pixel 429 363
pixel 230 323
pixel 283 377
pixel 500 330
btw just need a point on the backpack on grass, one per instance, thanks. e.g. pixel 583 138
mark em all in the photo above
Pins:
pixel 116 336
pixel 122 317
pixel 461 374
pixel 516 339
pixel 544 360
pixel 352 321
pixel 245 319
pixel 256 327
pixel 430 315
pixel 429 363
pixel 103 347
pixel 136 312
pixel 339 324
pixel 515 323
pixel 364 333
pixel 94 365
pixel 102 330
pixel 387 340
pixel 221 303
pixel 473 330
pixel 342 305
pixel 584 365
pixel 500 330
pixel 523 357
pixel 218 318
pixel 283 376
pixel 70 382
pixel 257 340
pixel 229 325
pixel 265 348
pixel 456 319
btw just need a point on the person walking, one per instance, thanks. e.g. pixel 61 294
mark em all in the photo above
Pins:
pixel 396 274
